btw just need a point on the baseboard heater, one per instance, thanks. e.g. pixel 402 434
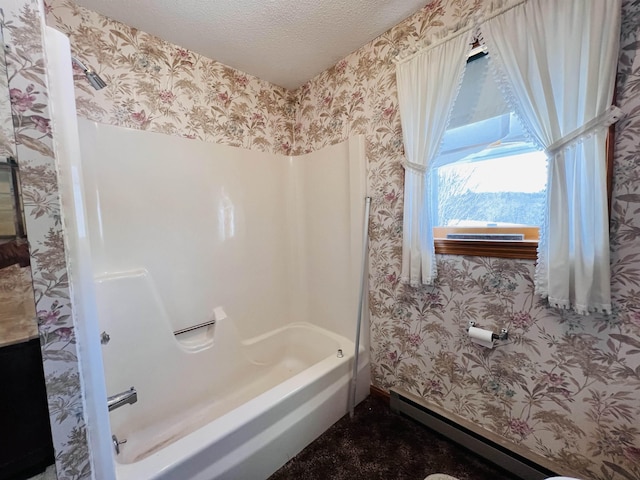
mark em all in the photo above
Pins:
pixel 494 451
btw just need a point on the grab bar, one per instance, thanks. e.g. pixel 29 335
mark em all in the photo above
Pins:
pixel 195 327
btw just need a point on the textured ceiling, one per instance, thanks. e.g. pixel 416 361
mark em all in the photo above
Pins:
pixel 286 42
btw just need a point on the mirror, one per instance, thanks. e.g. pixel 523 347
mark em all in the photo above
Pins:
pixel 24 417
pixel 11 216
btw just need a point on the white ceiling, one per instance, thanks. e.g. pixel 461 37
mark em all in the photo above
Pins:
pixel 286 42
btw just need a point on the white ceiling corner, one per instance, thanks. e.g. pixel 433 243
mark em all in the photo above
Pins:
pixel 286 42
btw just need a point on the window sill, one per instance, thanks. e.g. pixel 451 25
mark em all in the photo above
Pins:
pixel 527 249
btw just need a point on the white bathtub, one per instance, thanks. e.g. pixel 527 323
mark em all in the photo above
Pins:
pixel 210 403
pixel 283 390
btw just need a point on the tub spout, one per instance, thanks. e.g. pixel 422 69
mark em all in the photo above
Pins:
pixel 119 399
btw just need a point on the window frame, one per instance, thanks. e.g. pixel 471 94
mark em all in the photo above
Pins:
pixel 527 249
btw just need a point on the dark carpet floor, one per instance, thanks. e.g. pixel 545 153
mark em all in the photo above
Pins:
pixel 378 444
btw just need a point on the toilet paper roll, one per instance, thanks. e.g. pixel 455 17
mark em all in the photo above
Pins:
pixel 481 336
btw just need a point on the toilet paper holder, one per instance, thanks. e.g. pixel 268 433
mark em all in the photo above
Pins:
pixel 503 335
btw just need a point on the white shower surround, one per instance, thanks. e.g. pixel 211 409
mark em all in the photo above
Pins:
pixel 179 228
pixel 219 226
pixel 162 230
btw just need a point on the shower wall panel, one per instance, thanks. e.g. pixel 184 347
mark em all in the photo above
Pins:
pixel 270 239
pixel 209 223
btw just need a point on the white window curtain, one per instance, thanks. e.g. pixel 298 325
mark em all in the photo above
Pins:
pixel 557 63
pixel 427 86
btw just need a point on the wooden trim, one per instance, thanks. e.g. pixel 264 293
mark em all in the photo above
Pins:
pixel 610 152
pixel 486 248
pixel 379 393
pixel 610 146
pixel 527 249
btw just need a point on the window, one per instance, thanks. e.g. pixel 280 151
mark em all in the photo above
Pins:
pixel 562 88
pixel 487 184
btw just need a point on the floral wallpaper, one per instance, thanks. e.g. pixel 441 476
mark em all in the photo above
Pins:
pixel 17 313
pixel 22 27
pixel 7 141
pixel 563 386
pixel 154 85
